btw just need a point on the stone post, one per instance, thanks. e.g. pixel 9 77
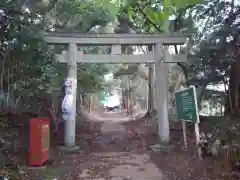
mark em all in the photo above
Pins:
pixel 161 71
pixel 70 124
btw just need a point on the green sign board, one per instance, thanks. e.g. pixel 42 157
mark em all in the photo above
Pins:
pixel 186 105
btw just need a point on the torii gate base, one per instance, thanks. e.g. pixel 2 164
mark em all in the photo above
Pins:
pixel 160 56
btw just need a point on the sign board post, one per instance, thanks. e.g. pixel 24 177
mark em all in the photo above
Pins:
pixel 187 111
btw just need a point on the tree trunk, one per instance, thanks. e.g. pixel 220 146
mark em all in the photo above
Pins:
pixel 79 102
pixel 181 80
pixel 125 99
pixel 150 90
pixel 199 93
pixel 232 99
pixel 130 104
pixel 61 95
pixel 129 98
pixel 90 103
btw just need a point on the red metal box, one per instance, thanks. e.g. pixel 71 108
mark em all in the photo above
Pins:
pixel 39 141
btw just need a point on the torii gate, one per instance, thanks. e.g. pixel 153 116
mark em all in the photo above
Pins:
pixel 159 56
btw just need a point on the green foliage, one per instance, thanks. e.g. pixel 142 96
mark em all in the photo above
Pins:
pixel 34 74
pixel 126 70
pixel 33 62
pixel 79 16
pixel 91 77
pixel 211 24
pixel 214 44
pixel 150 16
pixel 26 56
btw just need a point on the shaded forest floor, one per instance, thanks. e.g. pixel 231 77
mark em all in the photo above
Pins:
pixel 123 144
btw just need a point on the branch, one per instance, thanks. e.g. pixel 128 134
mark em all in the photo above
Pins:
pixel 181 65
pixel 184 69
pixel 147 18
pixel 141 48
pixel 52 5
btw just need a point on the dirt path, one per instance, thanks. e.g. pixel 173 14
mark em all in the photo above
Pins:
pixel 123 166
pixel 118 163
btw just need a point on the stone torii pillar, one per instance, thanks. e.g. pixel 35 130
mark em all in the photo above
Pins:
pixel 70 123
pixel 161 80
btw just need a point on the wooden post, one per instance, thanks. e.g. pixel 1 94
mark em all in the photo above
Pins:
pixel 90 103
pixel 197 133
pixel 8 79
pixel 198 140
pixel 184 133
